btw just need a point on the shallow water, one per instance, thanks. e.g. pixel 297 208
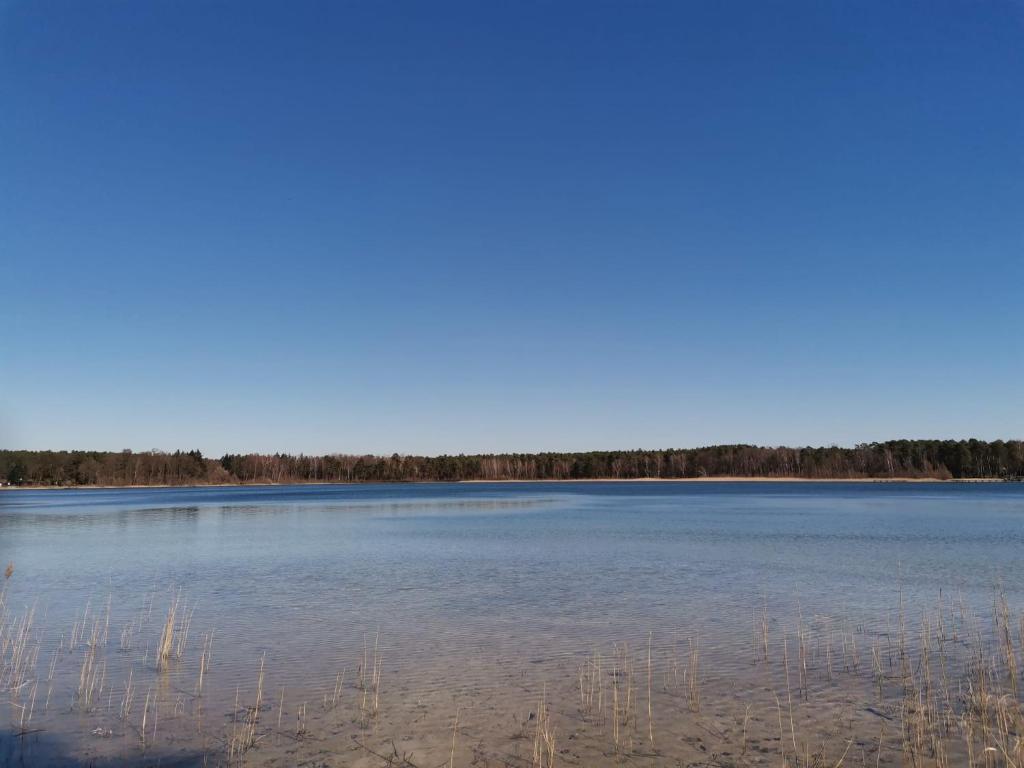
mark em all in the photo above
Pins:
pixel 473 593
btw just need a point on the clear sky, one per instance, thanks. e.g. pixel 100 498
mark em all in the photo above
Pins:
pixel 435 227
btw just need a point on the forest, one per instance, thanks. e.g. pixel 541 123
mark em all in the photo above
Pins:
pixel 922 459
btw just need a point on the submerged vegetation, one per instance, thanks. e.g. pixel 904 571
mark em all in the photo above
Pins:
pixel 938 459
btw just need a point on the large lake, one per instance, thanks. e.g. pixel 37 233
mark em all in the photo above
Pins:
pixel 470 599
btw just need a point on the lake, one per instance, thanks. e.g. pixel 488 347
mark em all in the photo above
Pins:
pixel 507 624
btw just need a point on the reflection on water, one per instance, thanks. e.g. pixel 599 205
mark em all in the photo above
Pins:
pixel 475 593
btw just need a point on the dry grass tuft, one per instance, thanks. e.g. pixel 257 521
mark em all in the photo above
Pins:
pixel 544 736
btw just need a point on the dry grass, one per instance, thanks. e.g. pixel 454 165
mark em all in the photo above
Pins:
pixel 369 706
pixel 693 676
pixel 244 730
pixel 455 732
pixel 92 676
pixel 204 662
pixel 165 648
pixel 544 736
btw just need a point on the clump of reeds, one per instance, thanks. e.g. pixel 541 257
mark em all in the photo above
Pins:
pixel 764 629
pixel 1005 632
pixel 106 621
pixel 789 694
pixel 333 699
pixel 19 651
pixel 26 710
pixel 828 650
pixel 181 641
pixel 204 661
pixel 746 722
pixel 615 705
pixel 801 635
pixel 370 705
pixel 624 699
pixel 127 637
pixel 93 673
pixel 19 654
pixel 879 674
pixel 165 648
pixel 128 698
pixel 544 736
pixel 693 676
pixel 455 731
pixel 145 716
pixel 851 658
pixel 243 737
pixel 174 636
pixel 650 710
pixel 49 678
pixel 591 687
pixel 78 629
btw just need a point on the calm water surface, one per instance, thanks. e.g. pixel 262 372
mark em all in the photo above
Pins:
pixel 496 561
pixel 484 573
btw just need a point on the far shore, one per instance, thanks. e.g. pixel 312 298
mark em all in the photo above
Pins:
pixel 717 479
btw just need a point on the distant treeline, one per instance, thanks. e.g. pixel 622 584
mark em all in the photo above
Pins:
pixel 940 459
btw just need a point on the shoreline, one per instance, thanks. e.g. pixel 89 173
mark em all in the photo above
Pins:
pixel 759 479
pixel 715 479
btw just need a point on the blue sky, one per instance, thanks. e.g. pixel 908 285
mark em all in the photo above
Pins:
pixel 436 227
